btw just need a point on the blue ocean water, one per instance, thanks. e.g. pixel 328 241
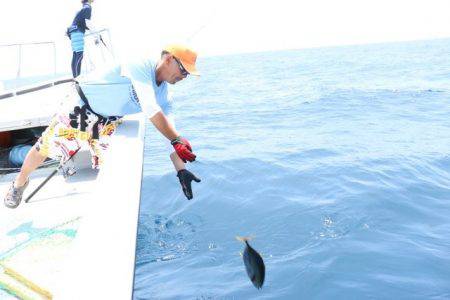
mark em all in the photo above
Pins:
pixel 336 160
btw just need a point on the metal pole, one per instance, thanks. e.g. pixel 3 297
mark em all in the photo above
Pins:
pixel 54 58
pixel 20 60
pixel 110 43
pixel 50 176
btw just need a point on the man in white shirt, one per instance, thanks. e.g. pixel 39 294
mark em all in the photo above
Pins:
pixel 97 103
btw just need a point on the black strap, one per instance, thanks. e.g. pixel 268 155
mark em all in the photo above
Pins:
pixel 81 94
pixel 86 102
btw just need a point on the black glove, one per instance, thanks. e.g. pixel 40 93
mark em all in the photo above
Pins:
pixel 185 180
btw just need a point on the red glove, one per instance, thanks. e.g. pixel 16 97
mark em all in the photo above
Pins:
pixel 183 149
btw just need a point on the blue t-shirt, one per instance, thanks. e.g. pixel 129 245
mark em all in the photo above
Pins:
pixel 124 90
pixel 80 18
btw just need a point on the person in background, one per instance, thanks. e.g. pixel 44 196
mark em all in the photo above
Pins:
pixel 76 34
pixel 99 100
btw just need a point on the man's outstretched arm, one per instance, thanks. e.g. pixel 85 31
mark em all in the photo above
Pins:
pixel 183 152
pixel 180 144
pixel 163 125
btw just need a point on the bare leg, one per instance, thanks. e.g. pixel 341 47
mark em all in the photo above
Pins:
pixel 177 162
pixel 33 160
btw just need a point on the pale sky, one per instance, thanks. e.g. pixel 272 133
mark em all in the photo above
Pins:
pixel 231 26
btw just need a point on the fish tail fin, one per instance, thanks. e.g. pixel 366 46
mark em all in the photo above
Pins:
pixel 244 238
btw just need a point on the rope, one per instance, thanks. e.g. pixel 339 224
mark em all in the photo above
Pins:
pixel 13 291
pixel 34 287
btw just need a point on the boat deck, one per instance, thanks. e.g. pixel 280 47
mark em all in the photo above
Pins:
pixel 62 243
pixel 36 236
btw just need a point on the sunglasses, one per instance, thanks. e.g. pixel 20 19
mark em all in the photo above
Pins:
pixel 182 69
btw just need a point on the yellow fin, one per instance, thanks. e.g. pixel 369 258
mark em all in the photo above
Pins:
pixel 245 238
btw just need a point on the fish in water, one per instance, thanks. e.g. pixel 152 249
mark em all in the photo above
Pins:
pixel 254 264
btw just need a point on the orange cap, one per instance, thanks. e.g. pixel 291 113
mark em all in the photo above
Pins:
pixel 186 56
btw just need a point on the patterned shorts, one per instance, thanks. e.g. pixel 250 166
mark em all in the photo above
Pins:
pixel 67 131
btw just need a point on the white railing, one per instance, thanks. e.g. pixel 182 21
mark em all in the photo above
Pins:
pixel 20 51
pixel 98 50
pixel 16 65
